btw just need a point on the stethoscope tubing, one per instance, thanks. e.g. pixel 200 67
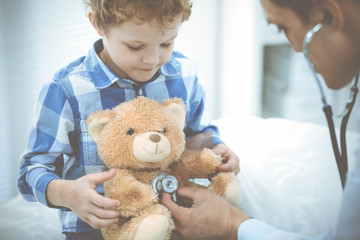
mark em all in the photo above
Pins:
pixel 340 157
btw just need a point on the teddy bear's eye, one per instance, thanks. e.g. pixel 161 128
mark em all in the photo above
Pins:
pixel 164 130
pixel 131 131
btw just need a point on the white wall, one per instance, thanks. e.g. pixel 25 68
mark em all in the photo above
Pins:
pixel 6 172
pixel 42 37
pixel 200 39
pixel 239 89
pixel 220 36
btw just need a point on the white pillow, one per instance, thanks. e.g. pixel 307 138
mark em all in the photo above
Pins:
pixel 21 220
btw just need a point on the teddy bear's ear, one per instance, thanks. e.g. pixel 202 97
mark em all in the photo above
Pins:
pixel 97 121
pixel 177 108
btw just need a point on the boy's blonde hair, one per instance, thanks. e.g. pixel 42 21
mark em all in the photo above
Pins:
pixel 112 12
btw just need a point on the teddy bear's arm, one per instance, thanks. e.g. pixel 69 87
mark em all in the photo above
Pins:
pixel 132 194
pixel 201 163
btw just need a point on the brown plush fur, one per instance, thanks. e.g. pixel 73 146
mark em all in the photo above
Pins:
pixel 128 136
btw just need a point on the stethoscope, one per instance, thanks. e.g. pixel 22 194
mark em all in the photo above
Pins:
pixel 341 157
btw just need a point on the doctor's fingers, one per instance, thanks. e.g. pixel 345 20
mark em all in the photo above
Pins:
pixel 191 223
pixel 198 197
pixel 191 192
pixel 179 213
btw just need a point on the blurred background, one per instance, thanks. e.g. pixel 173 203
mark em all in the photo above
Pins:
pixel 246 67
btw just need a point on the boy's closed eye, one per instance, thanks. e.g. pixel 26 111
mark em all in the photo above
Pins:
pixel 135 48
pixel 165 45
pixel 138 48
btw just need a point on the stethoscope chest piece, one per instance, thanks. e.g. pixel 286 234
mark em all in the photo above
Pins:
pixel 165 182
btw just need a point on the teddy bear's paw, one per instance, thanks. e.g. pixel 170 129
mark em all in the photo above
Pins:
pixel 154 227
pixel 227 185
pixel 209 156
pixel 233 194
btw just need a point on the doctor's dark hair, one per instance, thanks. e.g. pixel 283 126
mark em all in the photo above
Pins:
pixel 112 12
pixel 301 7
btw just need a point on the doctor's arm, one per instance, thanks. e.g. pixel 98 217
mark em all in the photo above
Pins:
pixel 211 217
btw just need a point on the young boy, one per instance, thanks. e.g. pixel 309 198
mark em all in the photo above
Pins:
pixel 134 57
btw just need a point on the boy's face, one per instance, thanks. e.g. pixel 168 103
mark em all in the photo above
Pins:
pixel 136 51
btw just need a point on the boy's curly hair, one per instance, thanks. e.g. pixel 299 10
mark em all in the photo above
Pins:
pixel 111 12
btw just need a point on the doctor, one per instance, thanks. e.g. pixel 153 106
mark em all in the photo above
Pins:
pixel 335 53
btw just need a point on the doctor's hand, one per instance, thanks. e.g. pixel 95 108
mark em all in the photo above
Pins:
pixel 80 196
pixel 231 159
pixel 210 216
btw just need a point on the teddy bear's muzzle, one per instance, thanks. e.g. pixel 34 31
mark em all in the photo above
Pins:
pixel 151 147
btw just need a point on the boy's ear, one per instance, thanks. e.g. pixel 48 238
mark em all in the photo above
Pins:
pixel 94 23
pixel 177 108
pixel 97 121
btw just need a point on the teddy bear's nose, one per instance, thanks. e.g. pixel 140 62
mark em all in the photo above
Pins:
pixel 155 138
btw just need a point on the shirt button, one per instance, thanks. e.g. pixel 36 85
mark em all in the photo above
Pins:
pixel 140 92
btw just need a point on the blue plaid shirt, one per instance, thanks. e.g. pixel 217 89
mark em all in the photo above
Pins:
pixel 59 144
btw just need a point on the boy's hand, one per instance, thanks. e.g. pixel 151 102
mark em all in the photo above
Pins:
pixel 231 159
pixel 80 196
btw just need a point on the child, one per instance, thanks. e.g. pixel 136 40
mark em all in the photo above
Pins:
pixel 134 57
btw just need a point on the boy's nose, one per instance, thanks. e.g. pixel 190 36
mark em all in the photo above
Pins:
pixel 151 58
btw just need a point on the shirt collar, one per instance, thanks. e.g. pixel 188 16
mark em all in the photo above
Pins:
pixel 171 68
pixel 102 76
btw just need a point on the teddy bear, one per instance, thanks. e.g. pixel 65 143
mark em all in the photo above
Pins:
pixel 142 139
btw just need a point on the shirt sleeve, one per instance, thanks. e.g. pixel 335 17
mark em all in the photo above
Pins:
pixel 346 225
pixel 253 229
pixel 48 144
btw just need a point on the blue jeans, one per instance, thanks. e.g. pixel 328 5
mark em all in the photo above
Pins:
pixel 92 235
